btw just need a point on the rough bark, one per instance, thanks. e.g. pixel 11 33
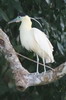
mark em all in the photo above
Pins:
pixel 23 78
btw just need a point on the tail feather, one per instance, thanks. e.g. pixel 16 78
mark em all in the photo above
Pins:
pixel 49 60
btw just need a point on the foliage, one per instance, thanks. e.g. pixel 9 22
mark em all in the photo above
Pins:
pixel 52 14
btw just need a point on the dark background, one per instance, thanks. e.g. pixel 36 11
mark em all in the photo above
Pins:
pixel 53 20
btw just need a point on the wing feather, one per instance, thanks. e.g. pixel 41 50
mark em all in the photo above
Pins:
pixel 43 41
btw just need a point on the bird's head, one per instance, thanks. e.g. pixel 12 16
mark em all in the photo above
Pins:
pixel 25 19
pixel 20 18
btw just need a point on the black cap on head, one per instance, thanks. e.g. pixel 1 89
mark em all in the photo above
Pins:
pixel 21 14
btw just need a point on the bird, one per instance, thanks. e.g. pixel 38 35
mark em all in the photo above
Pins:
pixel 33 39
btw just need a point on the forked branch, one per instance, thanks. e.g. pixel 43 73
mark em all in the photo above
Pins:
pixel 23 78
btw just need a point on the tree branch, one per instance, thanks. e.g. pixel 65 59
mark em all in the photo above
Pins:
pixel 24 79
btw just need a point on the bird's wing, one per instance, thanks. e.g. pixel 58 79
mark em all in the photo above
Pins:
pixel 42 40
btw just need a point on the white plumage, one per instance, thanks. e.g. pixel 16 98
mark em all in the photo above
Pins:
pixel 35 40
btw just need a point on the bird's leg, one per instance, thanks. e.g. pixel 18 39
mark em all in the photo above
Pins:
pixel 44 65
pixel 37 64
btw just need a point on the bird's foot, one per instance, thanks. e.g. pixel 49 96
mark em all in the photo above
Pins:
pixel 44 71
pixel 37 73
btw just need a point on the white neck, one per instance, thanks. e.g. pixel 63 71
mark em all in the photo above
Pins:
pixel 25 24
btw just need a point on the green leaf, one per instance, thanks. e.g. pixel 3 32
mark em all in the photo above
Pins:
pixel 60 47
pixel 17 5
pixel 3 15
pixel 48 1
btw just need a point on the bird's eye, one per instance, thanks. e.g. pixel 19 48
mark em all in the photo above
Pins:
pixel 19 16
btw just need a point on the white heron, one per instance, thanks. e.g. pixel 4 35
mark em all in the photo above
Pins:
pixel 34 40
